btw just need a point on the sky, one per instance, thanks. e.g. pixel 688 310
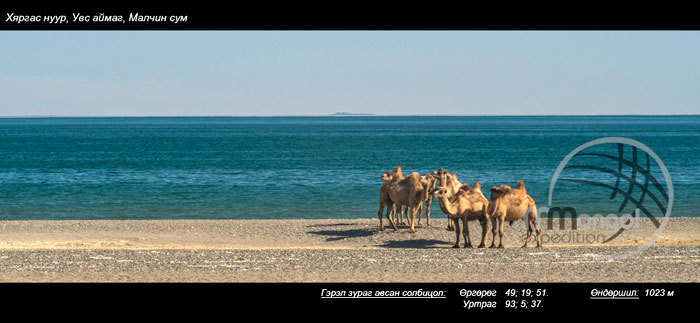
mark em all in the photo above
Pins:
pixel 271 73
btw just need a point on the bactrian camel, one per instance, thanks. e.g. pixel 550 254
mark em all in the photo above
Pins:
pixel 468 204
pixel 408 192
pixel 384 197
pixel 509 204
pixel 428 181
pixel 451 184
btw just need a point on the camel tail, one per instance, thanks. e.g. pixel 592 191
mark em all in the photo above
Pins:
pixel 530 201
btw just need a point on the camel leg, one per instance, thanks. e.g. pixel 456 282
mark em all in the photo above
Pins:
pixel 465 232
pixel 456 222
pixel 398 213
pixel 538 231
pixel 420 213
pixel 501 221
pixel 381 209
pixel 390 211
pixel 484 231
pixel 391 218
pixel 529 233
pixel 494 224
pixel 529 230
pixel 413 218
pixel 427 211
pixel 408 217
pixel 450 226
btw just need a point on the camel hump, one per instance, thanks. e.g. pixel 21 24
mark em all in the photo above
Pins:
pixel 477 186
pixel 465 187
pixel 500 190
pixel 397 171
pixel 520 185
pixel 413 178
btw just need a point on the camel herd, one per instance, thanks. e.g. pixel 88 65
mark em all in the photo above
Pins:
pixel 458 201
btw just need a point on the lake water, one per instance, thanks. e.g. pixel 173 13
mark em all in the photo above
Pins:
pixel 312 167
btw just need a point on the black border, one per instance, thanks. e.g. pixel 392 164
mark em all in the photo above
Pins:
pixel 358 16
pixel 572 300
pixel 230 300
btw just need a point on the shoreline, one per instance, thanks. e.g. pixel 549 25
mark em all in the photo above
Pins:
pixel 301 234
pixel 327 250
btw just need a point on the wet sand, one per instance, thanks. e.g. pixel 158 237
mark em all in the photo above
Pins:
pixel 339 250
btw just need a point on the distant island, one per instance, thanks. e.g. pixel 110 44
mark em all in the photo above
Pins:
pixel 351 114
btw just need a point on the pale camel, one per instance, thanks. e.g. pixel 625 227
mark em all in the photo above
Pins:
pixel 452 185
pixel 468 204
pixel 407 192
pixel 383 199
pixel 509 204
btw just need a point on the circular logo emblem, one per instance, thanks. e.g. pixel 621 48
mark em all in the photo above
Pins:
pixel 617 170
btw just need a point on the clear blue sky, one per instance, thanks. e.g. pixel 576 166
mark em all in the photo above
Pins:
pixel 321 72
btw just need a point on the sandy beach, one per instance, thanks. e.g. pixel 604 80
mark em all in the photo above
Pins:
pixel 338 250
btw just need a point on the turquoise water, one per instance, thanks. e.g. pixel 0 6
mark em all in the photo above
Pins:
pixel 307 167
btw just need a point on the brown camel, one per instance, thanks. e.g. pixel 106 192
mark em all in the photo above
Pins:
pixel 450 182
pixel 407 192
pixel 383 199
pixel 396 176
pixel 509 204
pixel 468 204
pixel 428 181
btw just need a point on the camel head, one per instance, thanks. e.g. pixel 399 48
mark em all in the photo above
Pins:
pixel 441 174
pixel 428 180
pixel 499 191
pixel 438 192
pixel 387 176
pixel 425 180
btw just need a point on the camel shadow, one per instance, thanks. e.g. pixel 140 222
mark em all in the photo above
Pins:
pixel 329 225
pixel 335 235
pixel 418 243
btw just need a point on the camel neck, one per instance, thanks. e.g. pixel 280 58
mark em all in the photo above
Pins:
pixel 446 205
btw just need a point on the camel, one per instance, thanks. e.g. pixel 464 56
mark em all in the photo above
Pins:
pixel 408 192
pixel 509 204
pixel 383 198
pixel 428 181
pixel 450 182
pixel 468 204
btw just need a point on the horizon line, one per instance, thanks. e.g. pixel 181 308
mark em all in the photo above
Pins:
pixel 343 116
